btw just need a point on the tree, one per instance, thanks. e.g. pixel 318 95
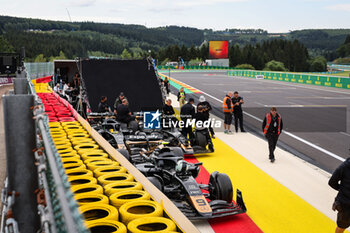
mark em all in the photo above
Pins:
pixel 245 67
pixel 318 64
pixel 275 66
pixel 125 54
pixel 5 46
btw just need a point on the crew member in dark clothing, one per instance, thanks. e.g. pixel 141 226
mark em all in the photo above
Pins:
pixel 166 85
pixel 103 106
pixel 119 100
pixel 168 110
pixel 272 127
pixel 201 116
pixel 340 181
pixel 206 110
pixel 187 113
pixel 237 102
pixel 123 112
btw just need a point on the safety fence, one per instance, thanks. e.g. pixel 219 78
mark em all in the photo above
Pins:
pixel 194 68
pixel 318 80
pixel 39 69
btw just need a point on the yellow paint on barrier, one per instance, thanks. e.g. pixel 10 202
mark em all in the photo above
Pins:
pixel 273 207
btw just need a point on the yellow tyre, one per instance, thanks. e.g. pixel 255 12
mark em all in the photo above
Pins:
pixel 120 198
pixel 82 172
pixel 79 180
pixel 106 226
pixel 62 142
pixel 58 134
pixel 93 165
pixel 122 186
pixel 61 136
pixel 96 199
pixel 151 224
pixel 57 131
pixel 72 127
pixel 81 152
pixel 65 123
pixel 75 168
pixel 76 131
pixel 71 162
pixel 108 169
pixel 72 155
pixel 114 177
pixel 93 154
pixel 82 140
pixel 65 151
pixel 86 146
pixel 139 209
pixel 64 147
pixel 55 124
pixel 96 160
pixel 87 189
pixel 80 135
pixel 101 212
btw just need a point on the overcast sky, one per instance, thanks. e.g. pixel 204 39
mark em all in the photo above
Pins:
pixel 271 15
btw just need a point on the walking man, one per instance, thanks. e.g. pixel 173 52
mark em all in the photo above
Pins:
pixel 228 110
pixel 340 181
pixel 237 111
pixel 272 127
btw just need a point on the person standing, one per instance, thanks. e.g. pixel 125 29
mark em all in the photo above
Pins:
pixel 166 84
pixel 187 113
pixel 103 106
pixel 206 111
pixel 228 110
pixel 119 100
pixel 340 181
pixel 181 97
pixel 237 111
pixel 123 112
pixel 272 127
pixel 168 109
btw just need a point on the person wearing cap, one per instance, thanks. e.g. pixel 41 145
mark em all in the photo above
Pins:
pixel 272 128
pixel 119 100
pixel 237 102
pixel 206 111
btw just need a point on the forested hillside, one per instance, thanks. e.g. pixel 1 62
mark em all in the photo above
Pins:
pixel 45 39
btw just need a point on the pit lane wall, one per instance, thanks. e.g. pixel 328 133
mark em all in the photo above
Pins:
pixel 317 80
pixel 194 68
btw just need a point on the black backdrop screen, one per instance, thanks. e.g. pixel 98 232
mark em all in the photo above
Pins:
pixel 136 78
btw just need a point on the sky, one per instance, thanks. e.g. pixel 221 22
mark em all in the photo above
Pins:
pixel 271 15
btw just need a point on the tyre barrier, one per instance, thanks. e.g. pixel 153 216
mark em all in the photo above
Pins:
pixel 106 226
pixel 109 169
pixel 113 178
pixel 95 199
pixel 99 184
pixel 139 209
pixel 94 212
pixel 151 224
pixel 122 197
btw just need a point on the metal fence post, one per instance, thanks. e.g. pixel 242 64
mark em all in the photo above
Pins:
pixel 22 173
pixel 20 86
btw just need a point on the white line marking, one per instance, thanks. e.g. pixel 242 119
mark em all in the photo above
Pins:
pixel 346 134
pixel 289 134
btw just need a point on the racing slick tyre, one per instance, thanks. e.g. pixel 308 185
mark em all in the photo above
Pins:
pixel 151 224
pixel 177 152
pixel 201 139
pixel 220 187
pixel 139 209
pixel 122 186
pixel 156 182
pixel 133 126
pixel 82 172
pixel 100 212
pixel 125 153
pixel 93 154
pixel 114 177
pixel 96 199
pixel 120 198
pixel 106 226
pixel 97 159
pixel 97 164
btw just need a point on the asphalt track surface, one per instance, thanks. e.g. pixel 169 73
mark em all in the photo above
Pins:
pixel 318 148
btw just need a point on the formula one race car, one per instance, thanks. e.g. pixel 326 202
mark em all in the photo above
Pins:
pixel 169 172
pixel 121 136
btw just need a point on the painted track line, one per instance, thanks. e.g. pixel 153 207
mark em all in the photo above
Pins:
pixel 286 132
